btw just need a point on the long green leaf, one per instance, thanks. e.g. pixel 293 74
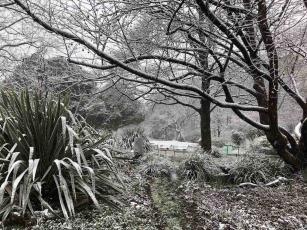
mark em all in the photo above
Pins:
pixel 15 185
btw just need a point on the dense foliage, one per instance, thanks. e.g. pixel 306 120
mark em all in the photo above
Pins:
pixel 201 167
pixel 101 108
pixel 112 109
pixel 129 136
pixel 237 137
pixel 49 159
pixel 258 169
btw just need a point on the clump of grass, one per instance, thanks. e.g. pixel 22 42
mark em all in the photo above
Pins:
pixel 199 166
pixel 156 166
pixel 257 169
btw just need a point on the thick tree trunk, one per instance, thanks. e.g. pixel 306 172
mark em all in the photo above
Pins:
pixel 303 144
pixel 301 133
pixel 205 125
pixel 259 85
pixel 278 138
pixel 205 119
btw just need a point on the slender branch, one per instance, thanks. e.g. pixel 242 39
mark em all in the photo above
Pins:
pixel 7 4
pixel 137 72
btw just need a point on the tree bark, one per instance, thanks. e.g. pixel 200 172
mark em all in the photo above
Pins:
pixel 205 125
pixel 205 118
pixel 303 145
pixel 259 85
pixel 275 136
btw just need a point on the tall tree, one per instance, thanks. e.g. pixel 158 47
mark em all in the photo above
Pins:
pixel 244 36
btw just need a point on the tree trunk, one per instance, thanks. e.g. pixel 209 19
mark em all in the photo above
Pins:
pixel 303 142
pixel 205 125
pixel 303 145
pixel 205 119
pixel 303 150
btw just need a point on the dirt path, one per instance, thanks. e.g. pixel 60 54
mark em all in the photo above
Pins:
pixel 192 207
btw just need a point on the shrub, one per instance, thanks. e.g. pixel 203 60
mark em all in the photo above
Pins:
pixel 237 137
pixel 253 133
pixel 261 145
pixel 49 159
pixel 218 143
pixel 157 169
pixel 130 135
pixel 215 152
pixel 157 166
pixel 257 169
pixel 200 166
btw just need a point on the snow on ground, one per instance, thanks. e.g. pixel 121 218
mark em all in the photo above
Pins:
pixel 174 145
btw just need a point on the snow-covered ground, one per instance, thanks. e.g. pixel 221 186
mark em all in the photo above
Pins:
pixel 175 145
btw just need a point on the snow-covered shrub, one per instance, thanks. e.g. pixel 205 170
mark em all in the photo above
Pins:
pixel 157 166
pixel 257 169
pixel 200 166
pixel 156 170
pixel 218 143
pixel 129 136
pixel 215 152
pixel 253 133
pixel 261 145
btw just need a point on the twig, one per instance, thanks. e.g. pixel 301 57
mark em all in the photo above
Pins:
pixel 269 184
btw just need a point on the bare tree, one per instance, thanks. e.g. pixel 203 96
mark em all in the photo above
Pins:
pixel 19 36
pixel 242 38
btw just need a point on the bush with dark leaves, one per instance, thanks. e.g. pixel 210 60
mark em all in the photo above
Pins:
pixel 237 137
pixel 49 159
